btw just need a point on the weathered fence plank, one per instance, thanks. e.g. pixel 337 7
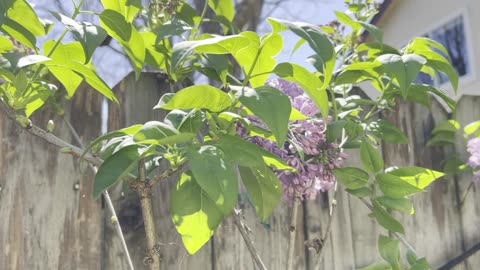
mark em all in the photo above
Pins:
pixel 469 111
pixel 436 222
pixel 49 220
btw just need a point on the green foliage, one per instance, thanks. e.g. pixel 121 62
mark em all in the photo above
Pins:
pixel 195 215
pixel 200 131
pixel 270 105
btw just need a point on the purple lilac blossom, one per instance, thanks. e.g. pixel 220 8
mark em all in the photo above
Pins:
pixel 315 172
pixel 473 147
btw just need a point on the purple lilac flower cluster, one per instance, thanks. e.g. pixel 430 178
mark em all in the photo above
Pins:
pixel 473 147
pixel 315 170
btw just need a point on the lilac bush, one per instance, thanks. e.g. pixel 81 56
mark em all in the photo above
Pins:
pixel 306 149
pixel 473 147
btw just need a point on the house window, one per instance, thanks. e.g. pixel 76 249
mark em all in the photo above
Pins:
pixel 452 36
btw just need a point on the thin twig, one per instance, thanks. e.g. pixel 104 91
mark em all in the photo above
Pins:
pixel 464 196
pixel 243 231
pixel 107 199
pixel 148 219
pixel 324 238
pixel 293 232
pixel 397 235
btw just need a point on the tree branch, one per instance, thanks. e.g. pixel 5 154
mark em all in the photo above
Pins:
pixel 153 258
pixel 251 248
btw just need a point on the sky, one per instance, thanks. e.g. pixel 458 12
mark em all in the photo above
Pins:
pixel 311 11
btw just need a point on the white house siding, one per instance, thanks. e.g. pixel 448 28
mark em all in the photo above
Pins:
pixel 405 19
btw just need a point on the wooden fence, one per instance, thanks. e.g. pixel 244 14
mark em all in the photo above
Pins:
pixel 49 220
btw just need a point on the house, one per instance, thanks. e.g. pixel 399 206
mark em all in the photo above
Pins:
pixel 448 22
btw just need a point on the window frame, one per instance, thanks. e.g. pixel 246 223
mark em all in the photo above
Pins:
pixel 471 76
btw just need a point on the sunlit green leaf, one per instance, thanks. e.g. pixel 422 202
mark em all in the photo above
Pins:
pixel 395 187
pixel 417 176
pixel 197 97
pixel 195 215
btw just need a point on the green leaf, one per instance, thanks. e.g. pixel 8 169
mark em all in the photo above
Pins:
pixel 116 133
pixel 386 131
pixel 311 84
pixel 361 192
pixel 351 177
pixel 404 68
pixel 471 128
pixel 371 159
pixel 22 12
pixel 223 8
pixel 62 56
pixel 417 176
pixel 447 126
pixel 5 44
pixel 271 106
pixel 126 34
pixel 442 138
pixel 195 215
pixel 89 35
pixel 174 27
pixel 197 97
pixel 118 166
pixel 127 8
pixel 390 251
pixel 18 32
pixel 373 30
pixel 428 88
pixel 216 45
pixel 411 257
pixel 440 63
pixel 386 220
pixel 90 77
pixel 188 14
pixel 248 154
pixel 375 49
pixel 425 44
pixel 116 25
pixel 394 186
pixel 402 204
pixel 263 188
pixel 154 130
pixel 215 175
pixel 421 264
pixel 153 56
pixel 258 56
pixel 318 41
pixel 377 266
pixel 334 130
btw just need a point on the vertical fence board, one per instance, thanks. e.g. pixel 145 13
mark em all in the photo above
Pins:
pixel 48 222
pixel 436 222
pixel 469 111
